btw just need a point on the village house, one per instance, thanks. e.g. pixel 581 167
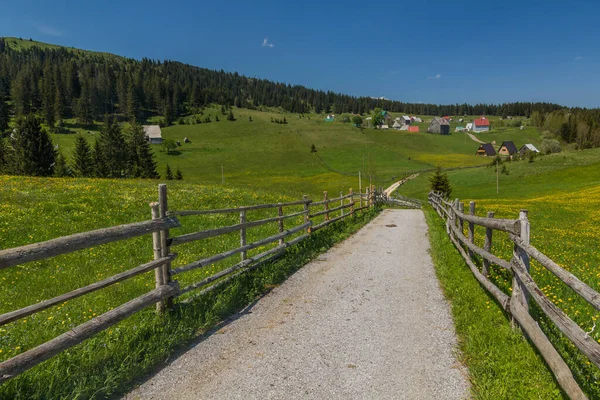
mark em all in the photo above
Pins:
pixel 439 125
pixel 413 128
pixel 397 125
pixel 507 149
pixel 469 126
pixel 406 119
pixel 416 119
pixel 486 150
pixel 528 148
pixel 152 133
pixel 481 125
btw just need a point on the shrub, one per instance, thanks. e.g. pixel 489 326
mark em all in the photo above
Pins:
pixel 440 182
pixel 550 146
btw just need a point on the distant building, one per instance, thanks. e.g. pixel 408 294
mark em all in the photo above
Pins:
pixel 486 150
pixel 507 149
pixel 439 125
pixel 406 119
pixel 469 126
pixel 153 134
pixel 459 129
pixel 481 125
pixel 385 127
pixel 528 148
pixel 330 118
pixel 413 128
pixel 446 117
pixel 417 119
pixel 397 125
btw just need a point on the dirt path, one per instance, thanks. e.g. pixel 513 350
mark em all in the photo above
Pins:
pixel 474 138
pixel 388 192
pixel 366 320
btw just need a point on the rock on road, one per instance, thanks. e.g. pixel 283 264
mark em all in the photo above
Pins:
pixel 366 320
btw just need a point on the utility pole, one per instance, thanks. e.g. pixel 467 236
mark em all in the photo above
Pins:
pixel 359 183
pixel 497 177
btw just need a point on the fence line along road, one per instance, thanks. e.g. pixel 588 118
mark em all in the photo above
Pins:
pixel 166 290
pixel 524 287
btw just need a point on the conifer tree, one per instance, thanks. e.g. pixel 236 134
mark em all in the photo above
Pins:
pixel 230 116
pixel 4 117
pixel 178 175
pixel 82 159
pixel 141 157
pixel 113 148
pixel 99 161
pixel 61 168
pixel 168 173
pixel 440 183
pixel 33 150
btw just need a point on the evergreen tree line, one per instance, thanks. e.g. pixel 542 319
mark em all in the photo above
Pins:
pixel 579 127
pixel 60 83
pixel 28 150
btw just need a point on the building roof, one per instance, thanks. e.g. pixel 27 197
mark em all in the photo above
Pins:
pixel 483 121
pixel 440 121
pixel 488 148
pixel 397 125
pixel 530 147
pixel 510 146
pixel 406 118
pixel 446 117
pixel 469 125
pixel 413 128
pixel 152 131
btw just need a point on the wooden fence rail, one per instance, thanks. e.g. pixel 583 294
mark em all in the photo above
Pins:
pixel 166 290
pixel 524 287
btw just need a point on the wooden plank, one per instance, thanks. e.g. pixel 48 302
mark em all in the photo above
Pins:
pixel 505 225
pixel 351 202
pixel 342 202
pixel 324 224
pixel 243 234
pixel 321 203
pixel 23 312
pixel 478 250
pixel 502 298
pixel 471 227
pixel 585 343
pixel 240 265
pixel 280 222
pixel 461 224
pixel 79 241
pixel 190 237
pixel 326 206
pixel 307 215
pixel 24 361
pixel 238 209
pixel 589 294
pixel 229 253
pixel 561 371
pixel 165 246
pixel 331 210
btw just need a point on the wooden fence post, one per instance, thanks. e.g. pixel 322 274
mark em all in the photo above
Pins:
pixel 368 197
pixel 280 215
pixel 164 239
pixel 461 222
pixel 342 202
pixel 471 225
pixel 307 213
pixel 158 274
pixel 243 254
pixel 360 197
pixel 487 246
pixel 351 202
pixel 325 199
pixel 519 292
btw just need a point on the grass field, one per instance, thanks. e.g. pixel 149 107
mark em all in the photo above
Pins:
pixel 35 209
pixel 562 194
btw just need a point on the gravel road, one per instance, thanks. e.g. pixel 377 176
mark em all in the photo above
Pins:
pixel 366 320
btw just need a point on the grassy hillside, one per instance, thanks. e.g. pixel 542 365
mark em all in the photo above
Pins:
pixel 562 194
pixel 271 156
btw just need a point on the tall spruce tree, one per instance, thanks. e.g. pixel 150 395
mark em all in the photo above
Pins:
pixel 440 183
pixel 99 161
pixel 113 148
pixel 33 151
pixel 82 160
pixel 178 175
pixel 168 173
pixel 61 168
pixel 4 117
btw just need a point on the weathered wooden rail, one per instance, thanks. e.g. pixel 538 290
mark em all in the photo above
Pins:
pixel 166 289
pixel 524 287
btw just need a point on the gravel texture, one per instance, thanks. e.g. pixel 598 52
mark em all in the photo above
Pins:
pixel 366 320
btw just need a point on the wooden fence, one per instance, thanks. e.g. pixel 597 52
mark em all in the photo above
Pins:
pixel 524 287
pixel 166 289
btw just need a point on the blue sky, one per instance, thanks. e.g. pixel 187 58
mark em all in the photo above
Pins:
pixel 418 51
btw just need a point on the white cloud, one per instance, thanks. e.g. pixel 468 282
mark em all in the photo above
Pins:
pixel 578 58
pixel 266 43
pixel 438 76
pixel 48 30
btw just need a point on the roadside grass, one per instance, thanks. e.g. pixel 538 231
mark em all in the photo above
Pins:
pixel 502 365
pixel 37 209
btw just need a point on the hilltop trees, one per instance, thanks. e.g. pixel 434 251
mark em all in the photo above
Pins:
pixel 4 117
pixel 112 146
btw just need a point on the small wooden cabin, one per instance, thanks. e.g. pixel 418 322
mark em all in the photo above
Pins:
pixel 486 150
pixel 508 149
pixel 528 148
pixel 152 133
pixel 481 124
pixel 439 125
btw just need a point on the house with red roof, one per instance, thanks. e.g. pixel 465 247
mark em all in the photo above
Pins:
pixel 481 124
pixel 413 128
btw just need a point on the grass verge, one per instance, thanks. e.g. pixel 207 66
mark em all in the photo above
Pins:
pixel 501 363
